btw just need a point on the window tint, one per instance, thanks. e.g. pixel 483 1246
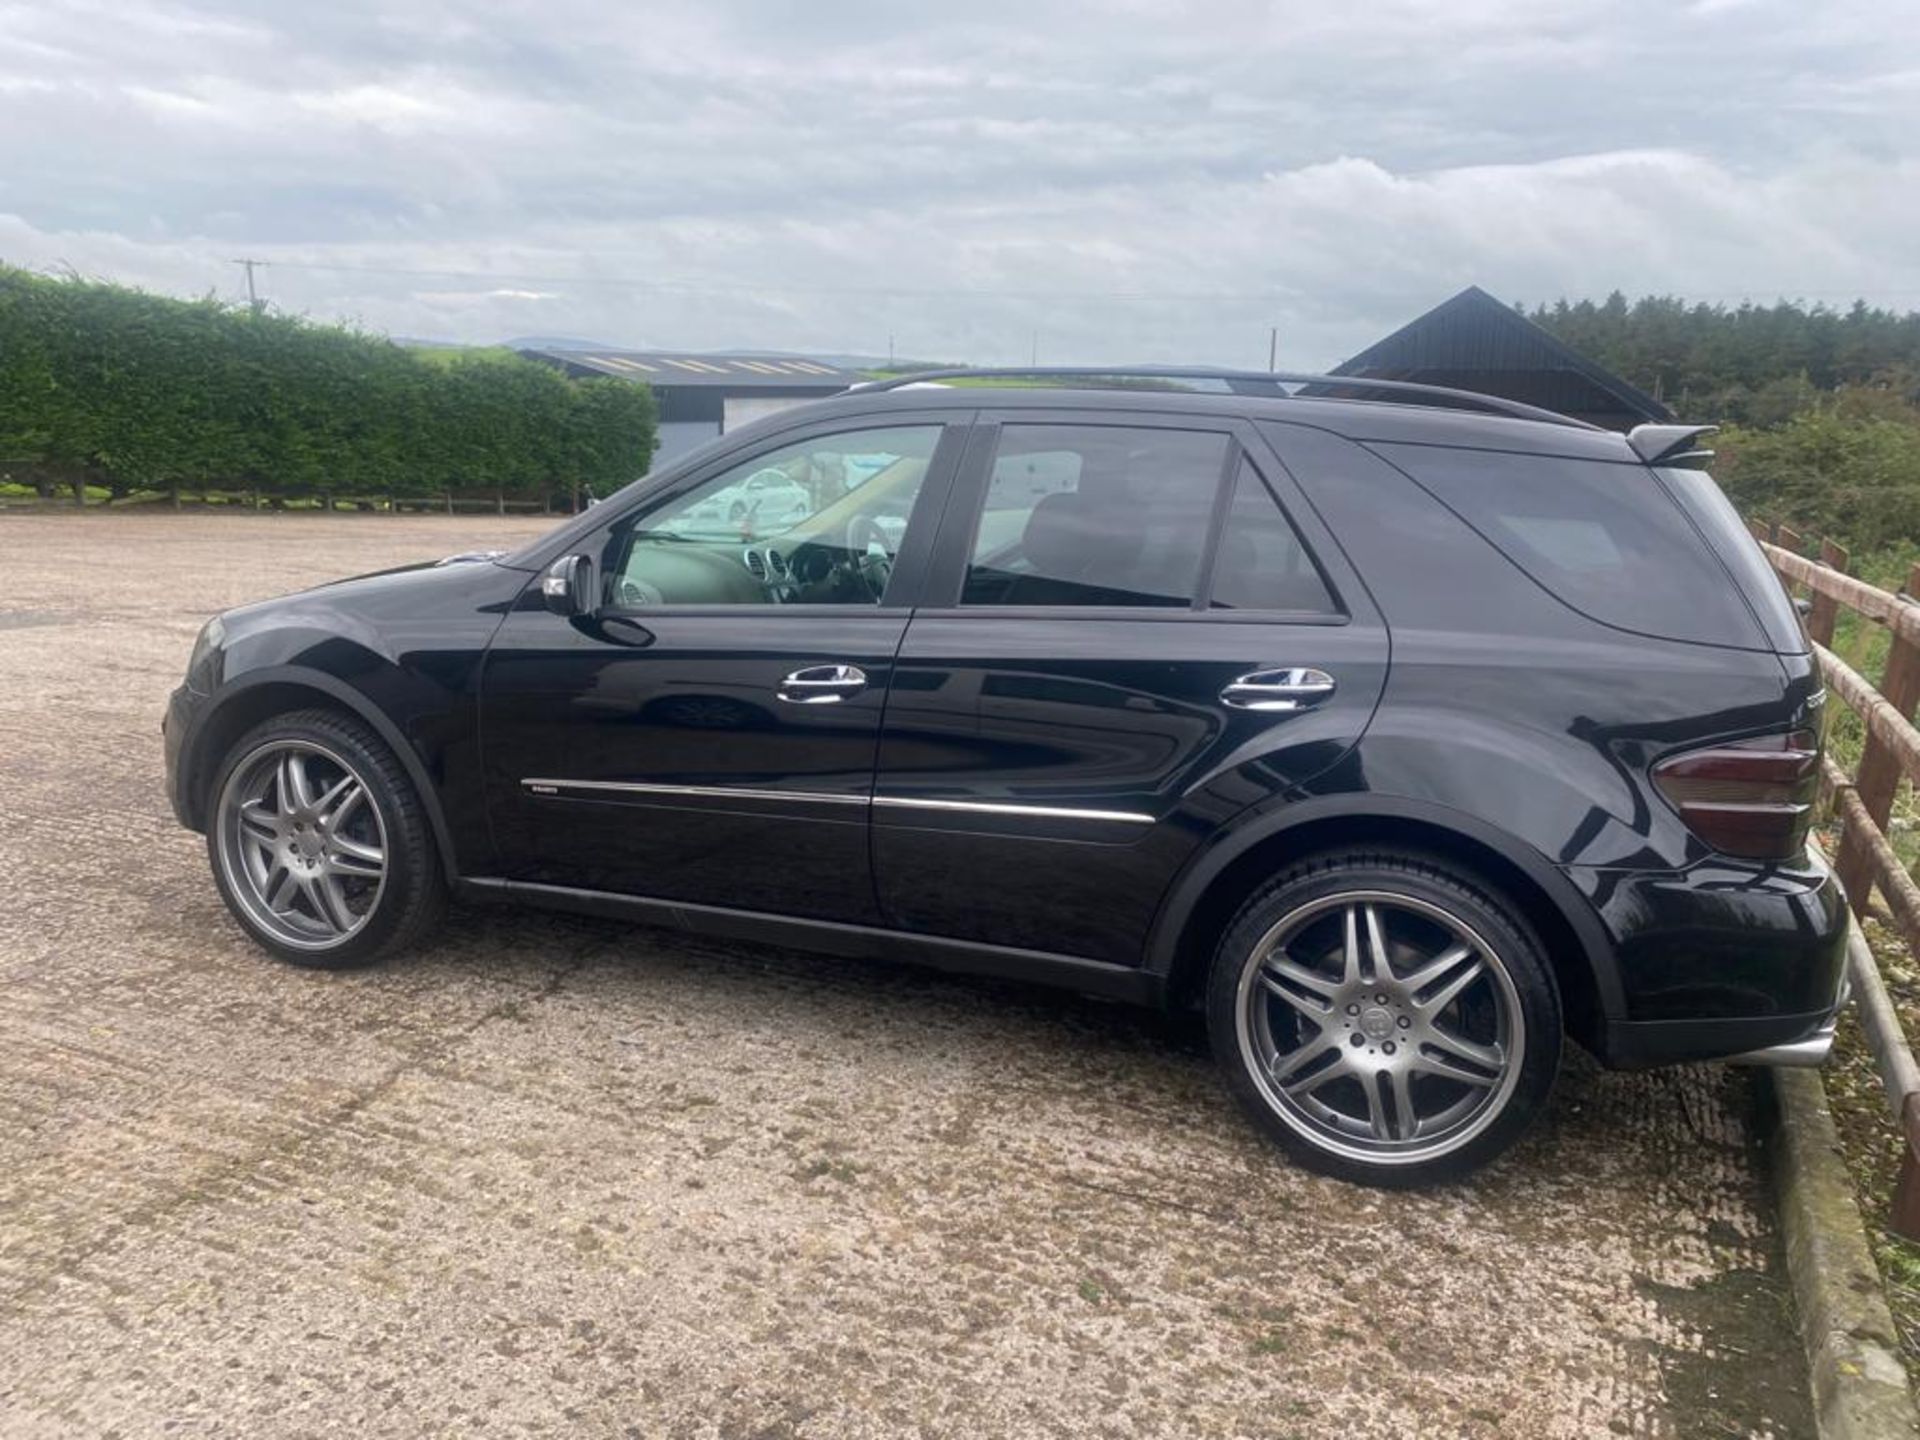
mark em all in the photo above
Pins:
pixel 1606 539
pixel 1729 536
pixel 1262 565
pixel 817 522
pixel 1095 515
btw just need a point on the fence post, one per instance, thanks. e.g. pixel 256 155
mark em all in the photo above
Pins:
pixel 1878 778
pixel 1825 610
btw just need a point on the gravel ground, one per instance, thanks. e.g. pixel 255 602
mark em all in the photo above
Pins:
pixel 560 1177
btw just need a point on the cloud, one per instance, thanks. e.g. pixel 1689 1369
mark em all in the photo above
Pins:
pixel 1141 181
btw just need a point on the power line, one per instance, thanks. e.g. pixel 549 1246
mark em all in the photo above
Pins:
pixel 253 298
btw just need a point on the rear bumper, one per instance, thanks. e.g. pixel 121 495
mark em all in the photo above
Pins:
pixel 1724 962
pixel 1810 1053
pixel 1806 1054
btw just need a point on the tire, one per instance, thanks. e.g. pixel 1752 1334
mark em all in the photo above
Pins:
pixel 1410 1077
pixel 301 877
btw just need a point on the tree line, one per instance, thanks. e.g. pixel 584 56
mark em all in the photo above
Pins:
pixel 1820 408
pixel 1749 364
pixel 105 387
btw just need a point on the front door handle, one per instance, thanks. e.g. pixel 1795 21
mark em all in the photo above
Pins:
pixel 1291 688
pixel 822 685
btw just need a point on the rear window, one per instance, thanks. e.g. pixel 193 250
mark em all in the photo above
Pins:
pixel 1608 540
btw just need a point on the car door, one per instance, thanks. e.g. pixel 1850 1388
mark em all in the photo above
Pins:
pixel 1134 628
pixel 707 735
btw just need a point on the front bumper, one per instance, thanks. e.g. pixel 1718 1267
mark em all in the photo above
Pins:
pixel 184 707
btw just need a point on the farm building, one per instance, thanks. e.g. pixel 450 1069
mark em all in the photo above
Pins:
pixel 1474 342
pixel 701 396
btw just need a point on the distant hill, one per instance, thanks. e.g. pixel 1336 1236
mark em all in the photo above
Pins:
pixel 845 360
pixel 563 342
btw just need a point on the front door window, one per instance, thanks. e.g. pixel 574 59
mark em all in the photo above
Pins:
pixel 816 522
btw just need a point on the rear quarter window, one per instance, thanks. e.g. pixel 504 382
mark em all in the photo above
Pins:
pixel 1606 539
pixel 1728 534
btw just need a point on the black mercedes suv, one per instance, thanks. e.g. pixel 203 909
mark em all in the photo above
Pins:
pixel 1403 730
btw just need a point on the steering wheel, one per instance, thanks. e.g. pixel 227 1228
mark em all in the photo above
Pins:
pixel 864 537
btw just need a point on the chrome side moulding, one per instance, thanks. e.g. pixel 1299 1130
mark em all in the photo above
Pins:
pixel 988 807
pixel 556 788
pixel 718 792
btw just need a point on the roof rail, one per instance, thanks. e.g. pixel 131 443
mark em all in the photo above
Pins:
pixel 1240 382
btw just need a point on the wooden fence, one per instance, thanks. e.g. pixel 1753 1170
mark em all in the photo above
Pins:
pixel 1863 803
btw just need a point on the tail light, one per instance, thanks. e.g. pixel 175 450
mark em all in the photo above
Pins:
pixel 1751 798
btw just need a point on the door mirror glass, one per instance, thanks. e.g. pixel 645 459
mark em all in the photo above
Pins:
pixel 567 587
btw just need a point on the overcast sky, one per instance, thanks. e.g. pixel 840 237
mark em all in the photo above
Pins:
pixel 1123 181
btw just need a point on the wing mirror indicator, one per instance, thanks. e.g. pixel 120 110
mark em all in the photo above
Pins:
pixel 567 587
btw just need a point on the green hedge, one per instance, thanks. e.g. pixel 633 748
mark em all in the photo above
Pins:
pixel 1847 470
pixel 110 387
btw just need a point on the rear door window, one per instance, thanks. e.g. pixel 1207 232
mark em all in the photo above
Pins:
pixel 1606 539
pixel 1101 515
pixel 1261 563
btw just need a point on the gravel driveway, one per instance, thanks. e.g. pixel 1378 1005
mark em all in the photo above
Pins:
pixel 567 1178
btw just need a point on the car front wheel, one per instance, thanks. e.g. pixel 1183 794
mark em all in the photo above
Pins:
pixel 1387 1019
pixel 319 844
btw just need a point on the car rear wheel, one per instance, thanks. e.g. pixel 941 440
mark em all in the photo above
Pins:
pixel 1387 1019
pixel 319 844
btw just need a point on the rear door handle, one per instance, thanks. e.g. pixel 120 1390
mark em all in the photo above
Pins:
pixel 822 685
pixel 1290 688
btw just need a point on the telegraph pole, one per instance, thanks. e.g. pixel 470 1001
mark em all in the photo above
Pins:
pixel 1273 349
pixel 253 298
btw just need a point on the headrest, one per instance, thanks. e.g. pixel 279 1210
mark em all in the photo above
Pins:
pixel 1055 541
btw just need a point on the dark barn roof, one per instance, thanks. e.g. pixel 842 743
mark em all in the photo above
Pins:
pixel 1474 342
pixel 730 372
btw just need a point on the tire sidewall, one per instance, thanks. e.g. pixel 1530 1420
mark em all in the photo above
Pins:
pixel 405 858
pixel 1433 883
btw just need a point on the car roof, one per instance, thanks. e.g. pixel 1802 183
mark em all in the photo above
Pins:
pixel 1372 421
pixel 1379 421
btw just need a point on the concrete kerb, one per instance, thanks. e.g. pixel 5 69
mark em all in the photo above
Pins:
pixel 1859 1385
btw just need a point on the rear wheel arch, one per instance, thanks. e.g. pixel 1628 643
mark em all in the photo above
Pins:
pixel 262 695
pixel 1204 900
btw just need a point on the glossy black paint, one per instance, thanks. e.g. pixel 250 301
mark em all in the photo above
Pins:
pixel 1107 710
pixel 1471 704
pixel 695 708
pixel 401 649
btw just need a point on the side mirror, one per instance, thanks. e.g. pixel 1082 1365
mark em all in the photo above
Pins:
pixel 567 587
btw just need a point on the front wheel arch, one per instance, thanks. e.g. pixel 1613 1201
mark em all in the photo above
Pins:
pixel 260 696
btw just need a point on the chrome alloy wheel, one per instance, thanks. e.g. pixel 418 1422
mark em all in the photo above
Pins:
pixel 1380 1027
pixel 301 844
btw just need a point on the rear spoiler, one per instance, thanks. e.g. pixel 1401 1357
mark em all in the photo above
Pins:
pixel 1670 444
